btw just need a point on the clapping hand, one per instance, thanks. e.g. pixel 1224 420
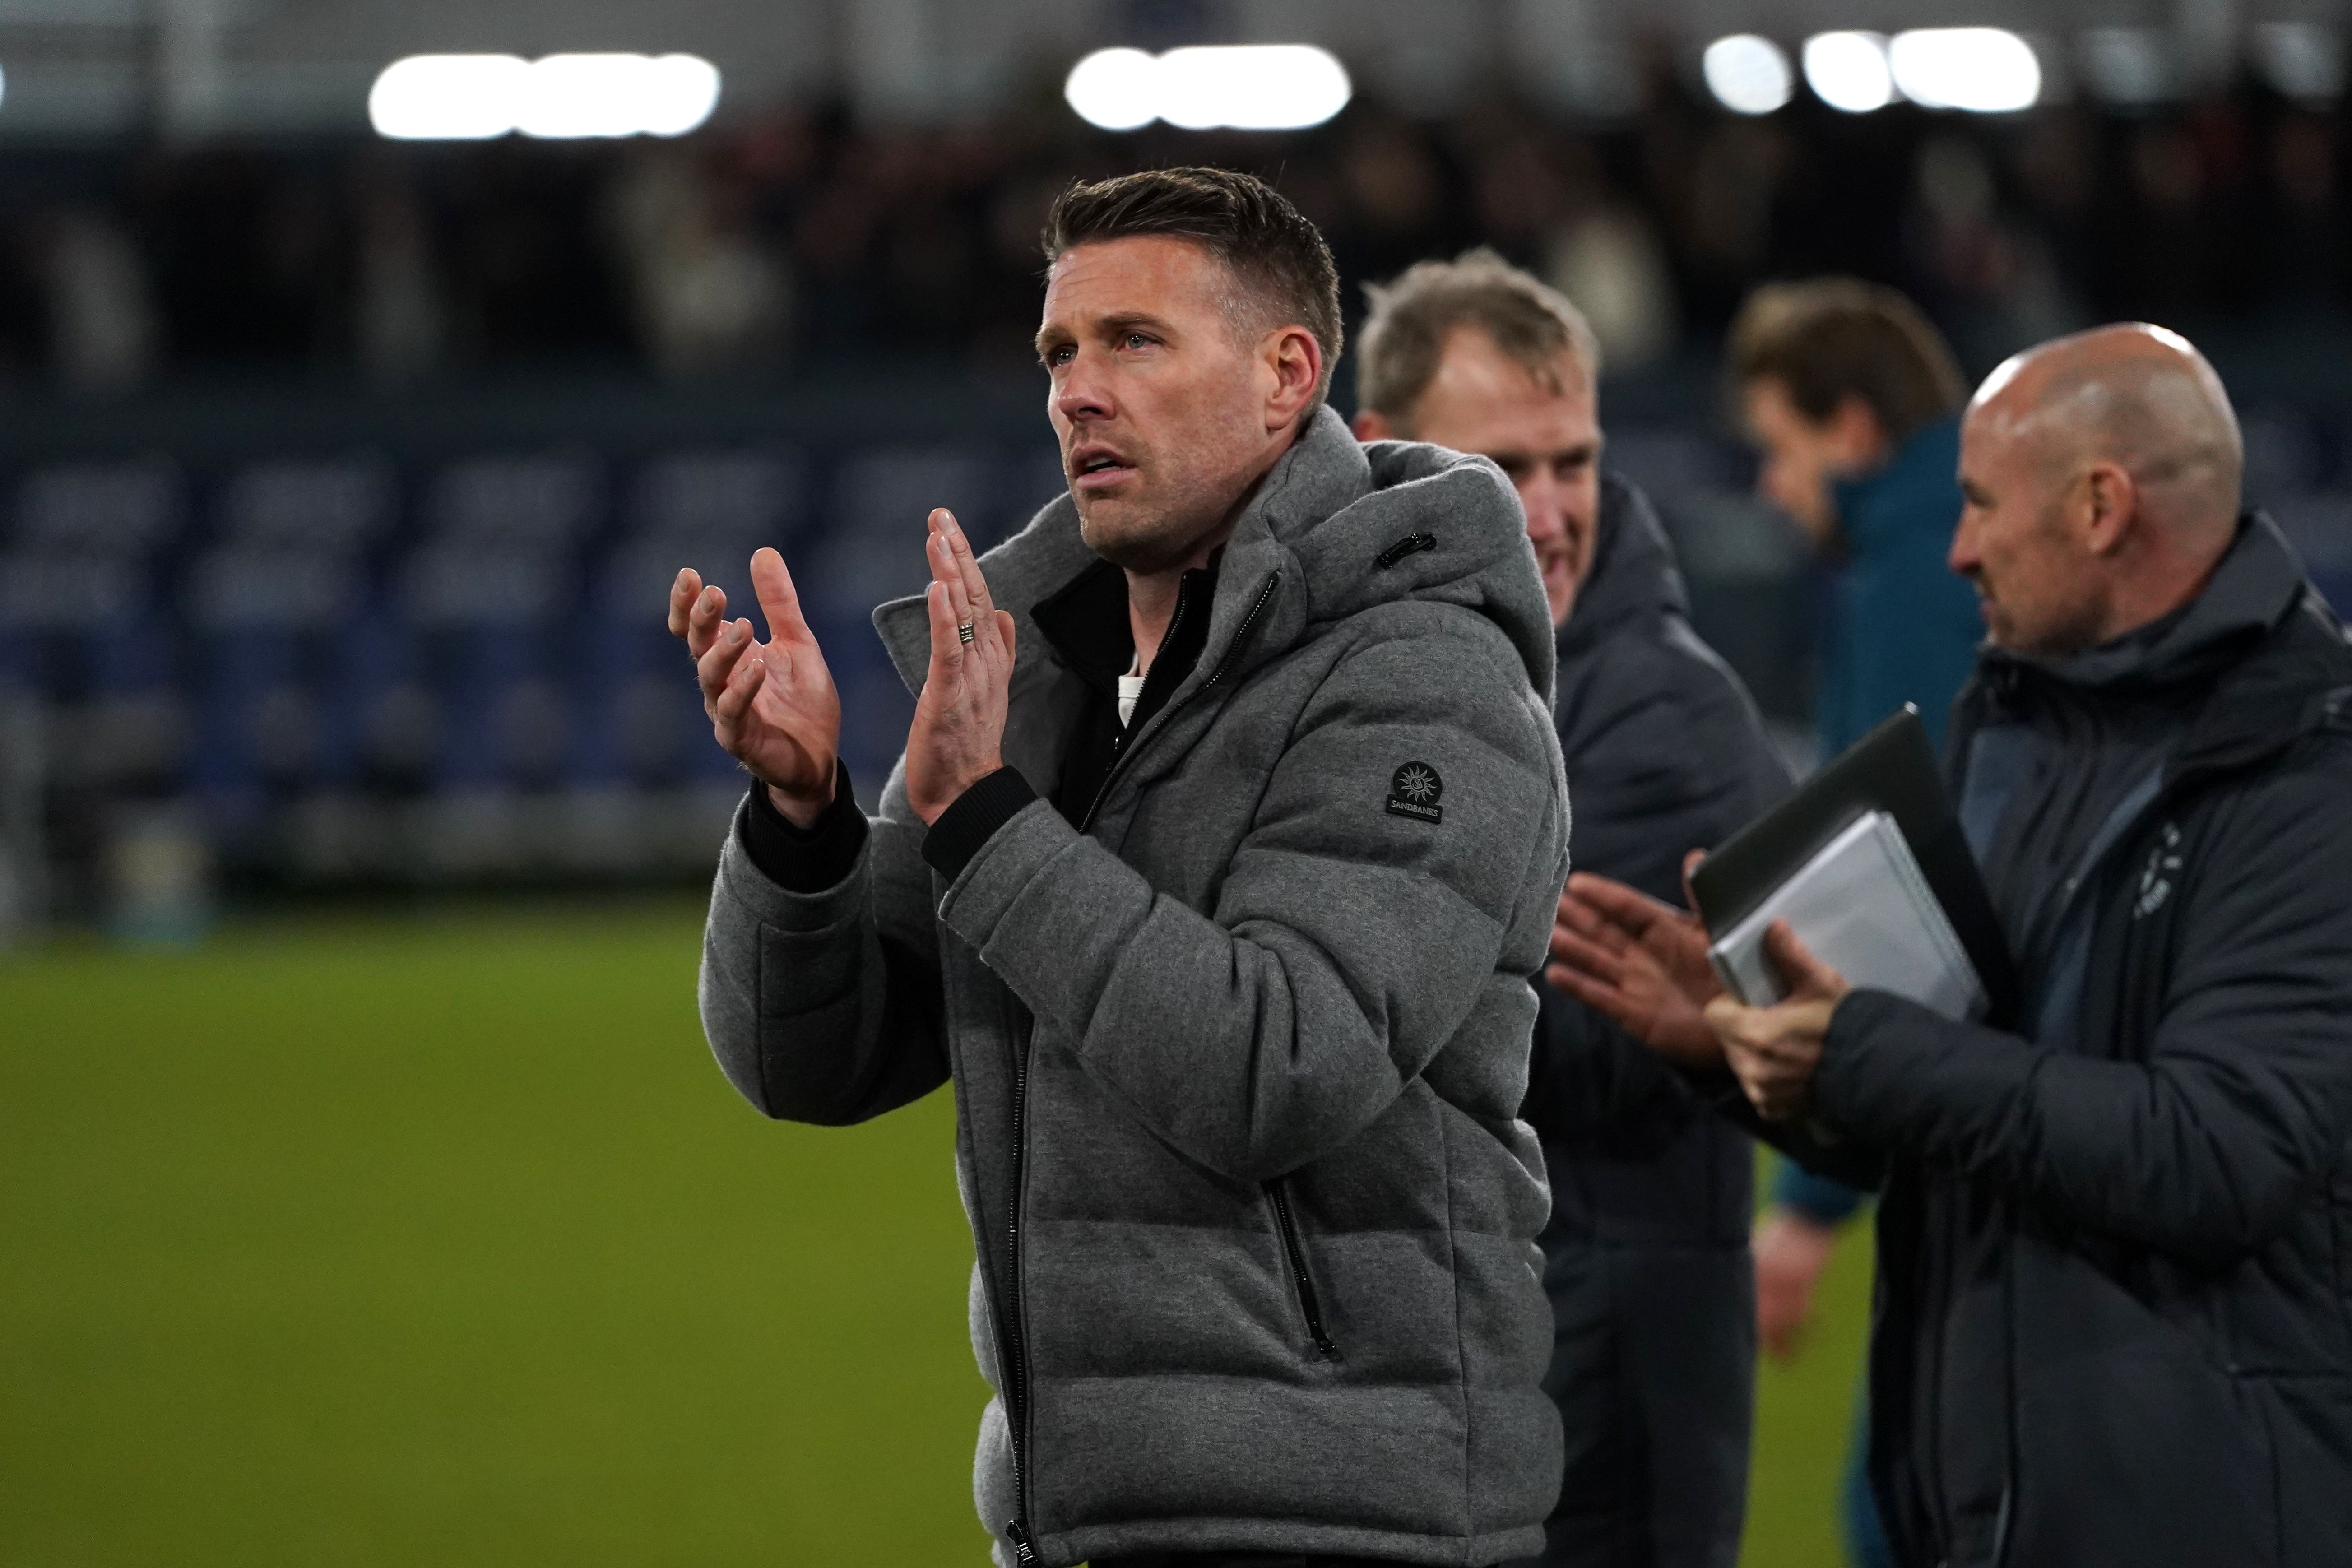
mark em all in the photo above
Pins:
pixel 771 705
pixel 1624 953
pixel 774 708
pixel 958 730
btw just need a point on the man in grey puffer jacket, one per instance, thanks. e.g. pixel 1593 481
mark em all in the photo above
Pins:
pixel 1217 903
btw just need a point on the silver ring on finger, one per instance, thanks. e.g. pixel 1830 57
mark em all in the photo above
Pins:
pixel 963 633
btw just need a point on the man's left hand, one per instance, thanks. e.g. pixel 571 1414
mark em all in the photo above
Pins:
pixel 1774 1051
pixel 959 729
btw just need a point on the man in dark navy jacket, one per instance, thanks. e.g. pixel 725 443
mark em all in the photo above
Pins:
pixel 1646 1256
pixel 2114 1322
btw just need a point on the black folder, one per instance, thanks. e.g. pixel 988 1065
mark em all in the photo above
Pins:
pixel 1891 769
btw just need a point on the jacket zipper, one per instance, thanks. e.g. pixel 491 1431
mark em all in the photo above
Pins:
pixel 1224 667
pixel 1299 1279
pixel 1016 1359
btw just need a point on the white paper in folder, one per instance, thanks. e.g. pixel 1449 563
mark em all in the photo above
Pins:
pixel 1861 906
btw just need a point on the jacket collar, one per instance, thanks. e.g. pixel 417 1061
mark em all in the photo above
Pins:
pixel 1317 543
pixel 2251 590
pixel 2277 657
pixel 1323 471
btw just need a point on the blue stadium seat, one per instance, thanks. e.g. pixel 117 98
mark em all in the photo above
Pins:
pixel 489 590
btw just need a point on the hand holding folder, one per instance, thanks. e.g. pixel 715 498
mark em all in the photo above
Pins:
pixel 1861 877
pixel 1868 865
pixel 1645 965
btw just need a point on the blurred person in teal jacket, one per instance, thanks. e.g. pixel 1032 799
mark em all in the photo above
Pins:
pixel 1852 400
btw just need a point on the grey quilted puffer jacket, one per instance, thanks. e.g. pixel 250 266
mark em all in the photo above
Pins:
pixel 1238 1061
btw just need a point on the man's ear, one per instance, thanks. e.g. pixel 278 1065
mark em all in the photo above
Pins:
pixel 1296 361
pixel 1857 440
pixel 2109 505
pixel 1371 425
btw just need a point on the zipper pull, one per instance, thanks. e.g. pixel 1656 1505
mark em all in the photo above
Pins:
pixel 1410 545
pixel 1022 1553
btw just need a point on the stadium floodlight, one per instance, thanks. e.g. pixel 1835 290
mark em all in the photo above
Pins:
pixel 1115 89
pixel 1245 87
pixel 1985 71
pixel 1848 71
pixel 443 98
pixel 680 91
pixel 571 96
pixel 448 98
pixel 1251 87
pixel 1747 75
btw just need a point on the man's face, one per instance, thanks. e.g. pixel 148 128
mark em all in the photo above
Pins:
pixel 2042 593
pixel 1547 441
pixel 1159 402
pixel 1803 459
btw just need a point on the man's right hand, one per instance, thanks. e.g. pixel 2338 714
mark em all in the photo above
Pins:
pixel 1622 953
pixel 775 710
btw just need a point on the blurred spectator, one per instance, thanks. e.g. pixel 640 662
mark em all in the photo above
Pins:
pixel 708 295
pixel 1855 400
pixel 401 312
pixel 101 313
pixel 1603 252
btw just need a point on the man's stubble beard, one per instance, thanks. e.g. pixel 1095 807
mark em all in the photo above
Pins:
pixel 2073 615
pixel 1143 541
pixel 2062 636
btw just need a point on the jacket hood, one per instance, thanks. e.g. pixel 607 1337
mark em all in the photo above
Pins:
pixel 1334 528
pixel 2259 627
pixel 1632 577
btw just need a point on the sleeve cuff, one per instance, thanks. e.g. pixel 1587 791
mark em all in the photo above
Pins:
pixel 973 818
pixel 805 859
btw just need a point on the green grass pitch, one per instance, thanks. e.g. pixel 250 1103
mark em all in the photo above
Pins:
pixel 396 1239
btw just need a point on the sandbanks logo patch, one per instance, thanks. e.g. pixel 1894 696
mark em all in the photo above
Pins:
pixel 1413 792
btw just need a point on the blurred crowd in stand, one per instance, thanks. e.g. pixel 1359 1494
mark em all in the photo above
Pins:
pixel 800 234
pixel 330 658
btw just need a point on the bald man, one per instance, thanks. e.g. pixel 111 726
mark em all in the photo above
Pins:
pixel 2115 1311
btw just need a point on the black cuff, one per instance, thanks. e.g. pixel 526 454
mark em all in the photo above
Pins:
pixel 805 859
pixel 972 818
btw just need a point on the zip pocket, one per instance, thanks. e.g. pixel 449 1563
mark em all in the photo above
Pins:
pixel 1296 1256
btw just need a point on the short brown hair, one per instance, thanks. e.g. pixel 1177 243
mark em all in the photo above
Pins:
pixel 1406 333
pixel 1829 339
pixel 1269 248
